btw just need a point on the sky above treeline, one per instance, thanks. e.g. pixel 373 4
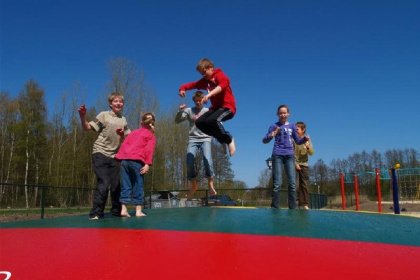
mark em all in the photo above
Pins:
pixel 349 69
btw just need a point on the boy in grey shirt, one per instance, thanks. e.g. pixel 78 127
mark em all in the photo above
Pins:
pixel 197 140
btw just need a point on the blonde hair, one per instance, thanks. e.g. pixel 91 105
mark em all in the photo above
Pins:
pixel 114 95
pixel 204 64
pixel 148 121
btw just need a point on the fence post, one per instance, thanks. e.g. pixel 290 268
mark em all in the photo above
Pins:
pixel 150 199
pixel 395 191
pixel 343 197
pixel 42 201
pixel 356 190
pixel 378 189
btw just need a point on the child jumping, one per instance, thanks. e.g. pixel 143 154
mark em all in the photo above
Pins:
pixel 223 106
pixel 197 140
pixel 283 154
pixel 136 155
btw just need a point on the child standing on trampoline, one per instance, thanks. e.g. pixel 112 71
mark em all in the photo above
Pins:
pixel 136 155
pixel 302 153
pixel 197 140
pixel 223 106
pixel 283 133
pixel 111 127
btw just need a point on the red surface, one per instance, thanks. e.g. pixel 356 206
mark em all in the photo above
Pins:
pixel 57 253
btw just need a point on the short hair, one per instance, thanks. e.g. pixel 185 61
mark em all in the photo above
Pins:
pixel 302 125
pixel 198 94
pixel 114 95
pixel 204 64
pixel 283 106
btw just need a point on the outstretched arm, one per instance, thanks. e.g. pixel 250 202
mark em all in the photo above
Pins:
pixel 82 114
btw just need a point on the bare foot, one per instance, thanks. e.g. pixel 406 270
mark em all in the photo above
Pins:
pixel 305 207
pixel 191 192
pixel 212 191
pixel 224 148
pixel 124 211
pixel 232 148
pixel 125 214
pixel 140 214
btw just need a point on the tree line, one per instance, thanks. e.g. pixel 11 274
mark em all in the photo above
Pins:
pixel 56 151
pixel 327 177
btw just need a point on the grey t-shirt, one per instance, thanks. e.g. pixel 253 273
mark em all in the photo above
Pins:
pixel 191 114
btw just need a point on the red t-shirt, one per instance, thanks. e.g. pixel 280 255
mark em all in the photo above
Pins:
pixel 223 99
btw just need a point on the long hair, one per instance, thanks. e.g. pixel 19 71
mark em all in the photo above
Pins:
pixel 148 121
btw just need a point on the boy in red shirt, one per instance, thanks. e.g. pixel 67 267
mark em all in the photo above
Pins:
pixel 223 106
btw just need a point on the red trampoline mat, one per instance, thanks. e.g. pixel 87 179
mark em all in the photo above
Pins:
pixel 68 253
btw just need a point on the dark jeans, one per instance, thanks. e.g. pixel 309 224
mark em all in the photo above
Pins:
pixel 107 171
pixel 211 124
pixel 302 179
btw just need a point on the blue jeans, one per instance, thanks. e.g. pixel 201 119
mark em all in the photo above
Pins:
pixel 192 150
pixel 289 165
pixel 132 182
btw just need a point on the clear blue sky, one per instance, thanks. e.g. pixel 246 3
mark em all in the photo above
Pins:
pixel 349 69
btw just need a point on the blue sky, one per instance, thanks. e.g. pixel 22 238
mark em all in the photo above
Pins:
pixel 349 69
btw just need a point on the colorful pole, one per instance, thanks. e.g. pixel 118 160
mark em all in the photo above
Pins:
pixel 343 197
pixel 395 191
pixel 378 190
pixel 356 191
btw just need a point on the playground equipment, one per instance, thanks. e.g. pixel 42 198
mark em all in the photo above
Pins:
pixel 403 185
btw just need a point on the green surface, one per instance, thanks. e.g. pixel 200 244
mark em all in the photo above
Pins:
pixel 338 225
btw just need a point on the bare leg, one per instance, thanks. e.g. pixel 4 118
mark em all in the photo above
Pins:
pixel 232 148
pixel 124 212
pixel 139 213
pixel 193 188
pixel 211 187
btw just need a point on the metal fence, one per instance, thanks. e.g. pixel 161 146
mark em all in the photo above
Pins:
pixel 37 197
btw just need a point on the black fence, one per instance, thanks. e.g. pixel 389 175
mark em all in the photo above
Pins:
pixel 38 198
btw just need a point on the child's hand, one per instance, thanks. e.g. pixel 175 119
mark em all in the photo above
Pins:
pixel 307 137
pixel 182 107
pixel 298 167
pixel 120 131
pixel 144 169
pixel 182 93
pixel 82 110
pixel 274 133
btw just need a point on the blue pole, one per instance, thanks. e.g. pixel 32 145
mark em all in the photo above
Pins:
pixel 395 191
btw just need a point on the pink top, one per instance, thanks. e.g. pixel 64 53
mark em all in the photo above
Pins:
pixel 138 145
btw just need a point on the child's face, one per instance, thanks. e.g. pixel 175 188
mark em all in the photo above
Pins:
pixel 198 102
pixel 283 114
pixel 207 73
pixel 117 105
pixel 300 131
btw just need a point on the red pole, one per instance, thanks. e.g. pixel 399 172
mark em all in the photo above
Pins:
pixel 378 189
pixel 356 191
pixel 343 197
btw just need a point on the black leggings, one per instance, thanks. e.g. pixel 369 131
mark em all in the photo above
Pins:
pixel 211 124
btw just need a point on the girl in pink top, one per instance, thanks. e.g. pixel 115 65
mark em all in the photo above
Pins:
pixel 136 155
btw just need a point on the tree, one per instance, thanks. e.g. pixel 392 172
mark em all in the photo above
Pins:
pixel 32 133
